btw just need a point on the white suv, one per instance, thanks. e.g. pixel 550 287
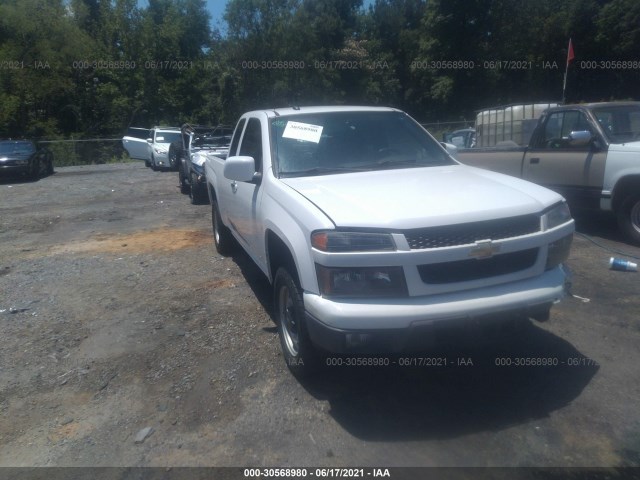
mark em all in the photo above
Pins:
pixel 159 140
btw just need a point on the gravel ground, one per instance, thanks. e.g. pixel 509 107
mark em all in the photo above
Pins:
pixel 127 341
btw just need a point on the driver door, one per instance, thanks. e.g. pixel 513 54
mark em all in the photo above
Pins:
pixel 575 171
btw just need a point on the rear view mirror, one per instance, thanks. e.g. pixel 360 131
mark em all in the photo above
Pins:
pixel 241 168
pixel 580 138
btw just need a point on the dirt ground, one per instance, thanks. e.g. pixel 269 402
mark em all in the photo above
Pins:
pixel 117 315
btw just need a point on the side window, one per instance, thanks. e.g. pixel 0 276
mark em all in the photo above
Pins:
pixel 252 142
pixel 558 128
pixel 552 129
pixel 236 138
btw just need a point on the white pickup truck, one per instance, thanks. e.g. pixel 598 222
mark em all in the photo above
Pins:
pixel 370 232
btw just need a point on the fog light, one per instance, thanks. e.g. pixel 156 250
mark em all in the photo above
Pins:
pixel 357 339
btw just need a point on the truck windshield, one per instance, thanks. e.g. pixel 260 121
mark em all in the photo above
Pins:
pixel 339 142
pixel 217 141
pixel 620 124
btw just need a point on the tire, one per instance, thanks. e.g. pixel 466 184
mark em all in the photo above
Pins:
pixel 173 157
pixel 184 185
pixel 196 191
pixel 50 165
pixel 629 218
pixel 34 175
pixel 153 164
pixel 147 163
pixel 222 238
pixel 299 353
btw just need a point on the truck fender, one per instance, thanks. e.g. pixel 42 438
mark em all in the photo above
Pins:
pixel 297 248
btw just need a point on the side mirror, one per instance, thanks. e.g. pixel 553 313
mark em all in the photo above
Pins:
pixel 149 140
pixel 451 149
pixel 580 138
pixel 240 168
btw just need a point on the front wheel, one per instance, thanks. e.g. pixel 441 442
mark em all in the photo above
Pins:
pixel 196 192
pixel 629 218
pixel 184 185
pixel 35 171
pixel 299 353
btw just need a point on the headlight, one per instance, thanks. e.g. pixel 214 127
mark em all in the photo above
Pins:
pixel 335 241
pixel 161 150
pixel 557 215
pixel 361 282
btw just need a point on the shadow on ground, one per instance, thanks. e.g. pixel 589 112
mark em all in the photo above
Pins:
pixel 471 393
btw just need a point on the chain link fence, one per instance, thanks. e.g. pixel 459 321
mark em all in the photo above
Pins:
pixel 110 150
pixel 86 152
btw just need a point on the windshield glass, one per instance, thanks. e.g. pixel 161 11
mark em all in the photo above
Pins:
pixel 7 148
pixel 620 123
pixel 207 142
pixel 167 137
pixel 339 142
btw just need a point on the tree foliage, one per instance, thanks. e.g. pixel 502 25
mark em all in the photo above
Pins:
pixel 94 67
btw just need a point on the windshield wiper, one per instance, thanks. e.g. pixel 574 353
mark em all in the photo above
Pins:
pixel 391 163
pixel 319 171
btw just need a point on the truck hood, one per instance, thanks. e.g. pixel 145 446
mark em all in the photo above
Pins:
pixel 625 147
pixel 421 197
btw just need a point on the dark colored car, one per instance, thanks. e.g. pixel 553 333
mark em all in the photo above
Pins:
pixel 188 155
pixel 23 157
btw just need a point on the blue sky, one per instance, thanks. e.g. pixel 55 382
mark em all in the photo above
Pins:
pixel 216 9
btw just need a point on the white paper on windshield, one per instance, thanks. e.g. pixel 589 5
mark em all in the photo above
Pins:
pixel 159 139
pixel 303 131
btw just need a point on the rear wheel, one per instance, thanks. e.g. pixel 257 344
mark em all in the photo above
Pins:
pixel 629 218
pixel 222 237
pixel 299 353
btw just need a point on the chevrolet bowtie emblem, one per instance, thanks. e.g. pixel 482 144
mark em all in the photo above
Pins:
pixel 484 249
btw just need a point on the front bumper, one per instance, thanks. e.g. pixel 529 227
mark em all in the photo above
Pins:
pixel 162 159
pixel 14 169
pixel 382 325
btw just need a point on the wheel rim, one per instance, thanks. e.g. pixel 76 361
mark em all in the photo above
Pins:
pixel 288 322
pixel 216 232
pixel 634 216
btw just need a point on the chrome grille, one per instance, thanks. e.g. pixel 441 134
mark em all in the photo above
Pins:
pixel 469 233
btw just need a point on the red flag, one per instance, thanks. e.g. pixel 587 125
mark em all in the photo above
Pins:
pixel 570 55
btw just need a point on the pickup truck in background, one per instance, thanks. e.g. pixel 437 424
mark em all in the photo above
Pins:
pixel 370 232
pixel 590 153
pixel 187 155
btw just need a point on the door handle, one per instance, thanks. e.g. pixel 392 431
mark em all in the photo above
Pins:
pixel 534 160
pixel 234 187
